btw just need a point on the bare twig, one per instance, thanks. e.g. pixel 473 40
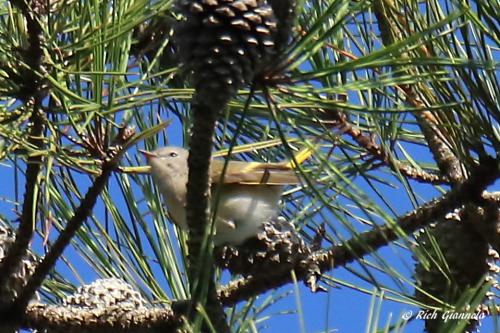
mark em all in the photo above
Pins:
pixel 380 154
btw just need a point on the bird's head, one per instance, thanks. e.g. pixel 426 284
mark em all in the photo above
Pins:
pixel 167 162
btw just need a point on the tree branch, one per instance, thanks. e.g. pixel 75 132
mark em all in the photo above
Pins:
pixel 201 266
pixel 81 214
pixel 110 319
pixel 368 242
pixel 31 91
pixel 448 163
pixel 380 154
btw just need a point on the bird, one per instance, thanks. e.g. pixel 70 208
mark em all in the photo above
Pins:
pixel 249 192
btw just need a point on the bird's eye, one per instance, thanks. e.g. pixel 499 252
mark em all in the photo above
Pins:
pixel 173 154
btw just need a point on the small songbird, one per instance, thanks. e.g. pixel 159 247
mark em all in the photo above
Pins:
pixel 250 192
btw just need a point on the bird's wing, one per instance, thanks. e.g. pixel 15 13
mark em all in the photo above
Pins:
pixel 253 173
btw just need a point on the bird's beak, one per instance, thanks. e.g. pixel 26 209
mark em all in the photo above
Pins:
pixel 147 154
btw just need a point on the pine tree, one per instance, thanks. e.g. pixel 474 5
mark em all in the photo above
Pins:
pixel 399 202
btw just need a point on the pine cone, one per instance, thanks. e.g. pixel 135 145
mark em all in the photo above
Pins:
pixel 224 43
pixel 276 248
pixel 466 256
pixel 104 299
pixel 104 293
pixel 22 272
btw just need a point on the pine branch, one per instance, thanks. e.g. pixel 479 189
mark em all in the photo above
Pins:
pixel 46 316
pixel 448 163
pixel 469 191
pixel 80 216
pixel 201 266
pixel 110 319
pixel 113 154
pixel 380 154
pixel 31 93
